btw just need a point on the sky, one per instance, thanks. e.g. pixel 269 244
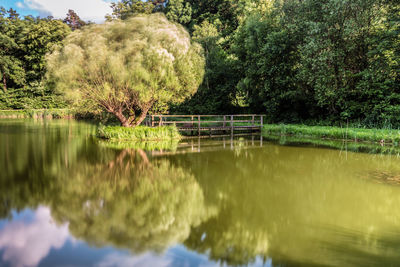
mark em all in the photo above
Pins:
pixel 93 10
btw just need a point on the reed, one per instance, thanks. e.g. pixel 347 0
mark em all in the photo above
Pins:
pixel 138 133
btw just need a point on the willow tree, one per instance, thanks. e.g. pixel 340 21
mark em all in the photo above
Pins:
pixel 125 67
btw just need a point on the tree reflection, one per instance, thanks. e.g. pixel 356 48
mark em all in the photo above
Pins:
pixel 130 202
pixel 32 154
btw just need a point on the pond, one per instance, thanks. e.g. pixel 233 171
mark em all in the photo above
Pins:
pixel 68 199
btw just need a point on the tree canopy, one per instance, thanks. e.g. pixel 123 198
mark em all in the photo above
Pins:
pixel 295 61
pixel 23 46
pixel 125 67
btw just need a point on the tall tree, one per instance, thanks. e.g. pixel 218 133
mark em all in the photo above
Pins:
pixel 127 8
pixel 11 71
pixel 126 67
pixel 73 20
pixel 37 42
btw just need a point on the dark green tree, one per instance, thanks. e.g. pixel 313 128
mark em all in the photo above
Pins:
pixel 11 66
pixel 127 8
pixel 73 20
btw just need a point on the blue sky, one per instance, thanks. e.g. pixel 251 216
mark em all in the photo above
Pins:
pixel 93 10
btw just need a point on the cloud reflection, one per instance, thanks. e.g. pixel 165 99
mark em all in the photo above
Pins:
pixel 25 244
pixel 147 259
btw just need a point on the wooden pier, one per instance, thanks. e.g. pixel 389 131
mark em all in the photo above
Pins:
pixel 213 124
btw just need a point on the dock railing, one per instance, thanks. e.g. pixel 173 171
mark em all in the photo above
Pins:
pixel 199 123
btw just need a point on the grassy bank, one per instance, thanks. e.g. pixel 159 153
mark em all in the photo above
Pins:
pixel 355 134
pixel 138 133
pixel 37 113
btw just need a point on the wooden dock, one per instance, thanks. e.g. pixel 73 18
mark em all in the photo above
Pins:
pixel 213 124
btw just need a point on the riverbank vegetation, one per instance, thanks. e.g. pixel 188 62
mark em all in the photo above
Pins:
pixel 307 61
pixel 38 113
pixel 342 133
pixel 138 133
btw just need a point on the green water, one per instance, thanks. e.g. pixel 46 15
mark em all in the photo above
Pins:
pixel 67 198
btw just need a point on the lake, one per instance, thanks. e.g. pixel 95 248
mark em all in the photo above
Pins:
pixel 68 199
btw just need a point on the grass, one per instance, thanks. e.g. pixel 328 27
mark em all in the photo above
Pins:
pixel 37 113
pixel 138 133
pixel 356 134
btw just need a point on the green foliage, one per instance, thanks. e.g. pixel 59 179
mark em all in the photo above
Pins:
pixel 358 134
pixel 179 11
pixel 295 61
pixel 23 46
pixel 127 8
pixel 125 67
pixel 35 96
pixel 37 113
pixel 267 58
pixel 73 20
pixel 332 60
pixel 216 94
pixel 138 133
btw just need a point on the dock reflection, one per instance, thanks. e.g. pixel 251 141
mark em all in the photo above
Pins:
pixel 200 144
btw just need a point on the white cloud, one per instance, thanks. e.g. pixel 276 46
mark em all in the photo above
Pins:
pixel 20 5
pixel 93 10
pixel 26 244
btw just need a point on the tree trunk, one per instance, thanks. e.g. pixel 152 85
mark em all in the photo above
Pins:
pixel 141 118
pixel 4 83
pixel 124 121
pixel 143 114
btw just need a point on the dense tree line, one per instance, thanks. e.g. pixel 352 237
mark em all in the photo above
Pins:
pixel 24 42
pixel 294 60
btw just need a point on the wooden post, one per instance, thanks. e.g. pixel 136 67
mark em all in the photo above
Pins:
pixel 252 120
pixel 198 121
pixel 152 120
pixel 231 124
pixel 224 121
pixel 160 122
pixel 261 120
pixel 191 132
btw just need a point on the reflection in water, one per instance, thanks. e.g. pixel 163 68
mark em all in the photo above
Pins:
pixel 236 203
pixel 129 202
pixel 27 243
pixel 300 204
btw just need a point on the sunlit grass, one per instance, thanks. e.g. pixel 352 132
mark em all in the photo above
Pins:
pixel 356 134
pixel 138 133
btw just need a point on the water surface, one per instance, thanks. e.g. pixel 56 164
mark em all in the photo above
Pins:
pixel 68 199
